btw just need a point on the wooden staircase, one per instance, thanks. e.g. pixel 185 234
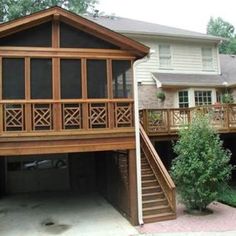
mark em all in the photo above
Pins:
pixel 158 190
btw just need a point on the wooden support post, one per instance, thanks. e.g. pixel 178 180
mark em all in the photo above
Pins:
pixel 1 106
pixel 57 118
pixel 111 110
pixel 28 107
pixel 133 197
pixel 85 106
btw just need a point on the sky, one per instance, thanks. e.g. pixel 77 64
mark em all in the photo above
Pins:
pixel 185 14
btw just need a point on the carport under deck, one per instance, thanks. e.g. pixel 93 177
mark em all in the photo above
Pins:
pixel 88 175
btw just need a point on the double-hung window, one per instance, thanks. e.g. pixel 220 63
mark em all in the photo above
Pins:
pixel 207 59
pixel 165 56
pixel 183 99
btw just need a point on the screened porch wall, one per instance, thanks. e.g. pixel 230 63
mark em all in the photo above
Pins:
pixel 64 89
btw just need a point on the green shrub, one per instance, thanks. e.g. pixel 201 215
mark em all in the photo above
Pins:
pixel 201 169
pixel 227 98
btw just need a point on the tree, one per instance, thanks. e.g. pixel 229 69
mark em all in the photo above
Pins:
pixel 221 28
pixel 201 169
pixel 12 9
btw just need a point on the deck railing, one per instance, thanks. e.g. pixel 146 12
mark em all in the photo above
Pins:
pixel 20 116
pixel 158 122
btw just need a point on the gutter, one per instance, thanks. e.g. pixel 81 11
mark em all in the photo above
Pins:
pixel 137 138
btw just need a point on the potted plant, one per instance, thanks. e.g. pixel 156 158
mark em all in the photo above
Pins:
pixel 161 96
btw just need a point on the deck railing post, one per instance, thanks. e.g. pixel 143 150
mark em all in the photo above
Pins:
pixel 146 120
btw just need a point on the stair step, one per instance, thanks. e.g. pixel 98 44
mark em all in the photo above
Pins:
pixel 155 202
pixel 146 183
pixel 144 165
pixel 159 217
pixel 146 171
pixel 151 189
pixel 151 196
pixel 156 210
pixel 148 177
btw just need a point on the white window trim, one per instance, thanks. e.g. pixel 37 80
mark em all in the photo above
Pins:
pixel 159 56
pixel 210 58
pixel 191 96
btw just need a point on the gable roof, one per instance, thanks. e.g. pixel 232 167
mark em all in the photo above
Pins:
pixel 76 21
pixel 130 26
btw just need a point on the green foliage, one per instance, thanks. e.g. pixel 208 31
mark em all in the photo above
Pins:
pixel 227 98
pixel 228 196
pixel 219 27
pixel 12 9
pixel 201 168
pixel 161 96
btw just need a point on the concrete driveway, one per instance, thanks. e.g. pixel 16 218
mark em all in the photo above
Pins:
pixel 65 214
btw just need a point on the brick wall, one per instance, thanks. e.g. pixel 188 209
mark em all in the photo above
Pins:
pixel 148 98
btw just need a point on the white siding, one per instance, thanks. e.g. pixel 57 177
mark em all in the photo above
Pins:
pixel 186 58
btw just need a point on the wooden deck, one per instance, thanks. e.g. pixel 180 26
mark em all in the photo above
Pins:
pixel 167 122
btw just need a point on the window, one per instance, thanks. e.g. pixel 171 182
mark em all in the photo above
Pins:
pixel 183 99
pixel 122 79
pixel 207 59
pixel 164 56
pixel 203 98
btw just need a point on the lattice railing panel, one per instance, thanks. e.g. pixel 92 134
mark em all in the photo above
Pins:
pixel 72 116
pixel 157 121
pixel 14 119
pixel 179 118
pixel 42 117
pixel 124 114
pixel 98 115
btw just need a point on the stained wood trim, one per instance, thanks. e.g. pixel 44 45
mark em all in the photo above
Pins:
pixel 56 93
pixel 85 114
pixel 64 53
pixel 28 114
pixel 110 94
pixel 65 146
pixel 86 100
pixel 1 106
pixel 55 32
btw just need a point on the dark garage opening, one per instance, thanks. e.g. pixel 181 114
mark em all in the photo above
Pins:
pixel 100 173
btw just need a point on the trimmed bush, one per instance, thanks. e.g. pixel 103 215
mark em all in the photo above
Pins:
pixel 201 169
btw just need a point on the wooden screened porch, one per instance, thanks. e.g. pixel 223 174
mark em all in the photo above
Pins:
pixel 65 79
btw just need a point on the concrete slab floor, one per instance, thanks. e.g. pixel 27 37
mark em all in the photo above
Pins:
pixel 63 214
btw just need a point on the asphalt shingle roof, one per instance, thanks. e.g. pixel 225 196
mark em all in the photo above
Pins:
pixel 189 80
pixel 125 25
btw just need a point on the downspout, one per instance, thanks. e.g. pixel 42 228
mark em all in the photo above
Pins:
pixel 137 138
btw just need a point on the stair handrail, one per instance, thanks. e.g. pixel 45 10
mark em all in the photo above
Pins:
pixel 159 169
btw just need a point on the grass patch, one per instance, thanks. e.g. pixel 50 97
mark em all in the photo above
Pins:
pixel 229 196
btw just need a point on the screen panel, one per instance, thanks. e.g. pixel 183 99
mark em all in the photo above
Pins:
pixel 38 36
pixel 41 78
pixel 71 79
pixel 122 78
pixel 13 78
pixel 97 78
pixel 71 37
